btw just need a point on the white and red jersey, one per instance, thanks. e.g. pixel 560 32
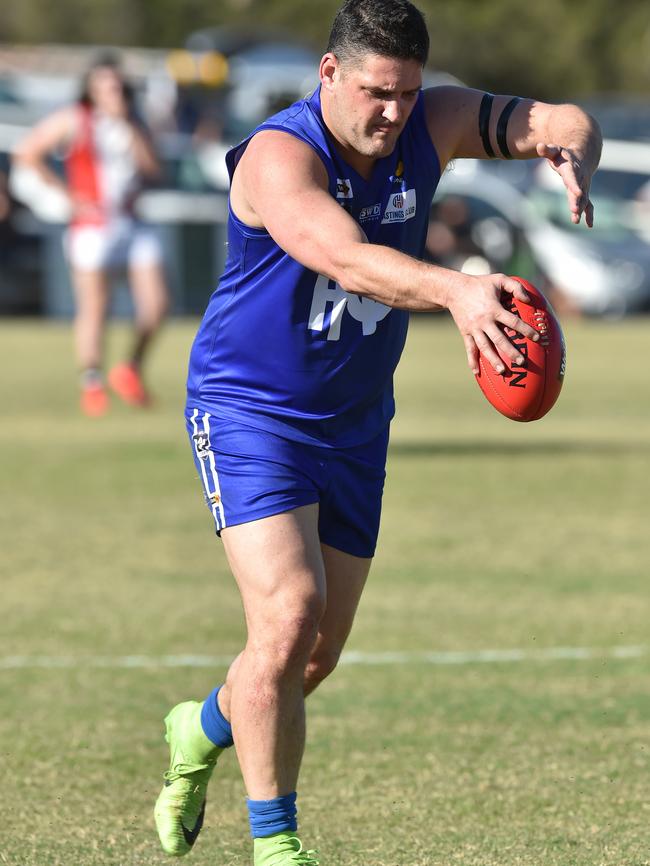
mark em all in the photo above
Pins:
pixel 101 168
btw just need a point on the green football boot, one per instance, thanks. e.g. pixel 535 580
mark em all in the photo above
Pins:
pixel 180 808
pixel 282 849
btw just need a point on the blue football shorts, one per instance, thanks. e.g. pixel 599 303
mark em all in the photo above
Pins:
pixel 249 474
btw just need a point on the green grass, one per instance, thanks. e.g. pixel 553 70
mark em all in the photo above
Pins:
pixel 495 535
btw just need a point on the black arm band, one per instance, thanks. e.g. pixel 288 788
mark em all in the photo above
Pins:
pixel 484 113
pixel 502 126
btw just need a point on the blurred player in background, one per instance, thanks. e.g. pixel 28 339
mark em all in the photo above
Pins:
pixel 108 157
pixel 290 387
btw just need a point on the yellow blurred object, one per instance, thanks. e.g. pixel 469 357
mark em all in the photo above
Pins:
pixel 213 69
pixel 209 69
pixel 181 65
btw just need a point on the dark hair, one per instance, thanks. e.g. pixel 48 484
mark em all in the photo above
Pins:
pixel 389 28
pixel 103 60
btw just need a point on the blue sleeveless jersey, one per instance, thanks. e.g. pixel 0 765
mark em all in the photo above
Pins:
pixel 284 349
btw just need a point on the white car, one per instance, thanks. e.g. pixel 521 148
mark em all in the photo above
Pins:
pixel 601 271
pixel 604 270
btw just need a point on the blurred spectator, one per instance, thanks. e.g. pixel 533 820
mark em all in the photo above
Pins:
pixel 108 158
pixel 6 231
pixel 449 237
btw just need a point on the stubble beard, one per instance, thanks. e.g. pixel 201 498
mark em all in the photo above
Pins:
pixel 375 148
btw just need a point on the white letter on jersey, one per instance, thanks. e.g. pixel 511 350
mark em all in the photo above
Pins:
pixel 363 310
pixel 368 312
pixel 327 292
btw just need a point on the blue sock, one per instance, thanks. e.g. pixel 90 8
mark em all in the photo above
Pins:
pixel 215 725
pixel 272 816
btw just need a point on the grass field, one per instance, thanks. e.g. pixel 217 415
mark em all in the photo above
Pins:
pixel 496 536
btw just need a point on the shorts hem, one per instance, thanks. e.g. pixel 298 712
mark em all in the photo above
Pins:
pixel 350 549
pixel 261 513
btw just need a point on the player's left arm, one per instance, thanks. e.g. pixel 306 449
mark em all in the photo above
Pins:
pixel 464 122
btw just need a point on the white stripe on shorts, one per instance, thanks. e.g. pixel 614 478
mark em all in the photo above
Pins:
pixel 217 504
pixel 213 495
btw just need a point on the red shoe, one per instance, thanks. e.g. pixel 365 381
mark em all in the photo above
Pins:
pixel 128 385
pixel 94 401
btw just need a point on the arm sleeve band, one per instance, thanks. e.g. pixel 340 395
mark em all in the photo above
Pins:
pixel 502 126
pixel 484 122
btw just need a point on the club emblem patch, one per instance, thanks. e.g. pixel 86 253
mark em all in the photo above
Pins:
pixel 202 445
pixel 344 188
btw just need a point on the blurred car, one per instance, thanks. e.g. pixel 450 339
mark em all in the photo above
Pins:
pixel 621 117
pixel 478 223
pixel 604 270
pixel 266 73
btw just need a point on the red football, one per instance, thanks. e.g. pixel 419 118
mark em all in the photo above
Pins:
pixel 527 393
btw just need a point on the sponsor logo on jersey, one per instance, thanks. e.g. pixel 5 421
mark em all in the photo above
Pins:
pixel 343 188
pixel 401 207
pixel 370 213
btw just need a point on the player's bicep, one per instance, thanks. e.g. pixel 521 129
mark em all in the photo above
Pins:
pixel 286 185
pixel 464 122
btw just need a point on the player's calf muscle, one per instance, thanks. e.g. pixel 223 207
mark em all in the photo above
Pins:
pixel 319 667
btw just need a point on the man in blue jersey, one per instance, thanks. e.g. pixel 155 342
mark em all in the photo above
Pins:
pixel 290 382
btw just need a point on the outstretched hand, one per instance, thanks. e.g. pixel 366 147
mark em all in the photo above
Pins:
pixel 475 304
pixel 576 177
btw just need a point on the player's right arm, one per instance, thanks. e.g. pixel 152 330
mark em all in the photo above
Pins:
pixel 45 138
pixel 281 185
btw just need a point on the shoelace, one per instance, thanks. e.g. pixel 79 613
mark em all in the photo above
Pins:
pixel 181 770
pixel 299 856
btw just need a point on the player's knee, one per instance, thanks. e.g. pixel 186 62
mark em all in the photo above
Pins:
pixel 292 635
pixel 299 634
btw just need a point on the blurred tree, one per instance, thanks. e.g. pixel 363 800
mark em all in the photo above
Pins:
pixel 548 50
pixel 551 50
